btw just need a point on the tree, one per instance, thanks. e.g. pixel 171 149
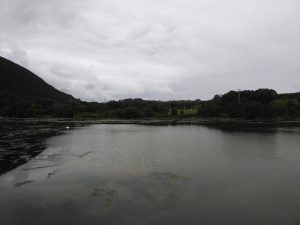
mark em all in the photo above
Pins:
pixel 174 112
pixel 252 109
pixel 148 112
pixel 264 95
pixel 130 113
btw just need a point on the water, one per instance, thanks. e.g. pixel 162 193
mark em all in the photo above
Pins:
pixel 134 174
pixel 22 140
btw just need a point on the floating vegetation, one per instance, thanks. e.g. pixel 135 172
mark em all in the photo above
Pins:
pixel 171 176
pixel 39 167
pixel 53 156
pixel 106 194
pixel 103 192
pixel 23 183
pixel 51 174
pixel 85 154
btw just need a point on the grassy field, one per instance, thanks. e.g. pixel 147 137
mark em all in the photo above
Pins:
pixel 187 112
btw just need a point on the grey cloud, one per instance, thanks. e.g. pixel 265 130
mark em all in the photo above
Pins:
pixel 14 53
pixel 161 49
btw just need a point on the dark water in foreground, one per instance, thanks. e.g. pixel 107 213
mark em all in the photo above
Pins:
pixel 135 175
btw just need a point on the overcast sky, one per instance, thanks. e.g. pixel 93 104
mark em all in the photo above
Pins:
pixel 155 49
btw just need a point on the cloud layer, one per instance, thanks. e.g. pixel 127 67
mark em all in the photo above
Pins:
pixel 155 49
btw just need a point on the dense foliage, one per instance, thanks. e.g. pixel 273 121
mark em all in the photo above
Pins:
pixel 262 103
pixel 259 104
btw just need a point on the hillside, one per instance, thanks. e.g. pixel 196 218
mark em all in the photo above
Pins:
pixel 18 84
pixel 24 94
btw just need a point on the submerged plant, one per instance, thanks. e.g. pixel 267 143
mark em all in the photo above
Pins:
pixel 23 183
pixel 106 194
pixel 171 176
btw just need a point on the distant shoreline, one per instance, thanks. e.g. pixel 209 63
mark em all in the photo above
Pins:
pixel 160 121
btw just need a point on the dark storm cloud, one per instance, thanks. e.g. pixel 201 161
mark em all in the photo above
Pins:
pixel 158 49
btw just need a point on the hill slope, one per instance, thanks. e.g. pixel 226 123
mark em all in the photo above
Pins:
pixel 18 84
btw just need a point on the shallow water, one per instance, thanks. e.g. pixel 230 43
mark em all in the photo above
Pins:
pixel 21 140
pixel 134 174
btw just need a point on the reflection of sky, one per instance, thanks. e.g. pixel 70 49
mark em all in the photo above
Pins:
pixel 259 147
pixel 128 174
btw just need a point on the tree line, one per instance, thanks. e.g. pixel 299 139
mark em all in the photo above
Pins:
pixel 248 104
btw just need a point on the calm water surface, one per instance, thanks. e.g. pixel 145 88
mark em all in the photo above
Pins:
pixel 135 175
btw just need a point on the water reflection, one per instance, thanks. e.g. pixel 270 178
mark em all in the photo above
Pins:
pixel 130 174
pixel 260 147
